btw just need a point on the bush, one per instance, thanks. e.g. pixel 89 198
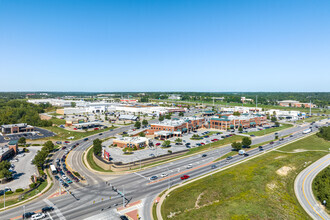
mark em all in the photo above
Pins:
pixel 35 145
pixel 9 192
pixel 32 185
pixel 26 150
pixel 169 151
pixel 19 190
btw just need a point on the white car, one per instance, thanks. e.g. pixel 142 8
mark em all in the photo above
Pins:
pixel 64 177
pixel 38 216
pixel 164 174
pixel 189 166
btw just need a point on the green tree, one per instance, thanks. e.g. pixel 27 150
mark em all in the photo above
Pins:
pixel 145 122
pixel 240 129
pixel 5 174
pixel 137 125
pixel 22 140
pixel 161 118
pixel 246 141
pixel 273 119
pixel 166 143
pixel 73 104
pixel 236 113
pixel 277 124
pixel 4 165
pixel 168 116
pixel 142 134
pixel 178 140
pixel 97 147
pixel 181 114
pixel 236 146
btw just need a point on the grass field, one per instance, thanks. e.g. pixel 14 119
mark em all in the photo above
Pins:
pixel 64 134
pixel 311 119
pixel 313 143
pixel 270 130
pixel 261 188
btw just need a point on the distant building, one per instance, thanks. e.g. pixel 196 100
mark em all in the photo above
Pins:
pixel 243 99
pixel 129 100
pixel 128 117
pixel 293 103
pixel 174 97
pixel 16 128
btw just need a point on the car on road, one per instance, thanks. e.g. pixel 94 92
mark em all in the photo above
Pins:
pixel 204 155
pixel 184 177
pixel 38 216
pixel 246 155
pixel 189 166
pixel 151 155
pixel 229 158
pixel 47 209
pixel 157 144
pixel 63 148
pixel 153 177
pixel 252 135
pixel 100 133
pixel 164 175
pixel 67 142
pixel 28 214
pixel 291 135
pixel 213 166
pixel 271 142
pixel 85 139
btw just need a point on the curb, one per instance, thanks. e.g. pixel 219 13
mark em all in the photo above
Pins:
pixel 163 197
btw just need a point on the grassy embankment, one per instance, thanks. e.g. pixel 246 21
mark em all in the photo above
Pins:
pixel 311 119
pixel 14 198
pixel 321 187
pixel 270 130
pixel 64 134
pixel 261 188
pixel 92 163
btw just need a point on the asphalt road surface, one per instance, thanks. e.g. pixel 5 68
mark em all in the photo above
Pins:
pixel 97 195
pixel 304 192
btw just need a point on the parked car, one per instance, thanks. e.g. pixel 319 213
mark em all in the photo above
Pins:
pixel 184 177
pixel 157 144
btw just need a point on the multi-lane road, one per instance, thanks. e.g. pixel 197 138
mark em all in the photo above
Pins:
pixel 95 197
pixel 304 192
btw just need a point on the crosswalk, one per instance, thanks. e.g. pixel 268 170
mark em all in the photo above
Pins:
pixel 56 210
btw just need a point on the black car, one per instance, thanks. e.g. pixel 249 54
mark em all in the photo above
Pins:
pixel 246 155
pixel 260 147
pixel 204 155
pixel 86 139
pixel 100 133
pixel 229 158
pixel 123 217
pixel 28 214
pixel 47 209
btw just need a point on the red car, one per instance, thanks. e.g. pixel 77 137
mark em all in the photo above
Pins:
pixel 95 129
pixel 66 142
pixel 157 144
pixel 202 143
pixel 184 177
pixel 75 129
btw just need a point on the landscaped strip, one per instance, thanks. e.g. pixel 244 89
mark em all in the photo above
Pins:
pixel 260 188
pixel 270 130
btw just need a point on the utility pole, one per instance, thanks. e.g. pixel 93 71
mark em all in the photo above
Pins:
pixel 256 102
pixel 310 107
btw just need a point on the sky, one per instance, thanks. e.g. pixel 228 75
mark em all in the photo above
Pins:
pixel 165 45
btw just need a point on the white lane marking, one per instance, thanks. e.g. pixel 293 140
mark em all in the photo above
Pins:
pixel 57 211
pixel 49 216
pixel 141 176
pixel 138 206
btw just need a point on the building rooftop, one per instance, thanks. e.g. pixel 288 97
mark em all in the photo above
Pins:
pixel 135 140
pixel 14 125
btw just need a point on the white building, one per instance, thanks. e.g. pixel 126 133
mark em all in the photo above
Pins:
pixel 241 109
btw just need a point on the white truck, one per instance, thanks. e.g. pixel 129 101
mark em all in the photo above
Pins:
pixel 241 152
pixel 307 131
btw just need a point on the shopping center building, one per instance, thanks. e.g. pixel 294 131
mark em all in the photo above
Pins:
pixel 234 122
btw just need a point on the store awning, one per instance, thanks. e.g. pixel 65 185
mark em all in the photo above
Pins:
pixel 184 129
pixel 252 123
pixel 232 126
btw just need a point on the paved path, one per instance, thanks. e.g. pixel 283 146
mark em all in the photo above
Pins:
pixel 304 192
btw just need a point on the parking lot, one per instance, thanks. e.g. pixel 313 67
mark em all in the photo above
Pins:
pixel 118 155
pixel 37 134
pixel 23 169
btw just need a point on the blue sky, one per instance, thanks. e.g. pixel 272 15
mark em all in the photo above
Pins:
pixel 172 45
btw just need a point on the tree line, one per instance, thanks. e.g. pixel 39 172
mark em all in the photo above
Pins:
pixel 18 111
